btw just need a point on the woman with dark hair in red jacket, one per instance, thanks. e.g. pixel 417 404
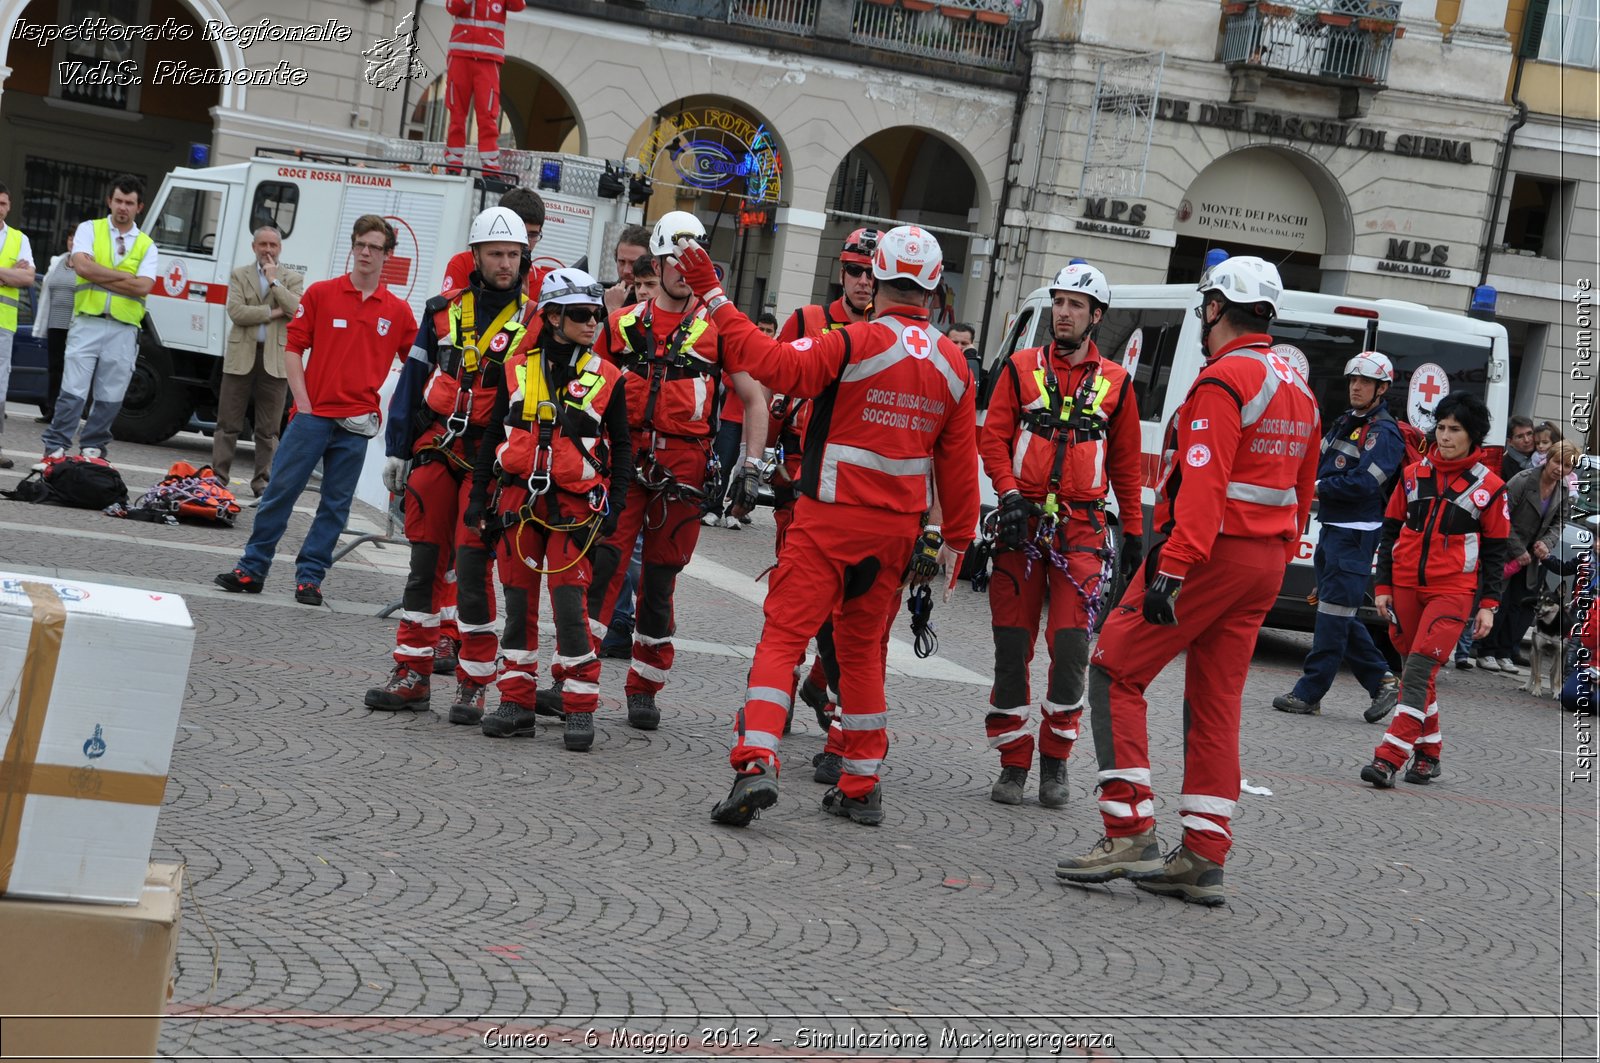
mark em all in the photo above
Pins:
pixel 1444 541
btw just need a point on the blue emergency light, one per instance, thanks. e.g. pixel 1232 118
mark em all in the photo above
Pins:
pixel 1484 298
pixel 550 175
pixel 1078 262
pixel 1213 257
pixel 199 154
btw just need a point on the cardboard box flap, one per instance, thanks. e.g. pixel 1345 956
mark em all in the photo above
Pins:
pixel 124 604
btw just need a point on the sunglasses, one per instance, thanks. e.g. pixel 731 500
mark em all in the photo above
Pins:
pixel 854 270
pixel 582 315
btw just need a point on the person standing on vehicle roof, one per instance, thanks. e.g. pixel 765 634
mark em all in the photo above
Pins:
pixel 477 54
pixel 441 405
pixel 894 404
pixel 786 429
pixel 1238 470
pixel 1062 430
pixel 1361 456
pixel 670 350
pixel 564 470
pixel 1444 541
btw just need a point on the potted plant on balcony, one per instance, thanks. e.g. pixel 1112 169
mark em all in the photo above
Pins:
pixel 993 18
pixel 955 12
pixel 1274 10
pixel 1332 18
pixel 917 5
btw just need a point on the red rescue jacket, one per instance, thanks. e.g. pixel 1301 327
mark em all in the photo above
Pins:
pixel 676 361
pixel 479 31
pixel 572 422
pixel 788 414
pixel 1445 529
pixel 1239 457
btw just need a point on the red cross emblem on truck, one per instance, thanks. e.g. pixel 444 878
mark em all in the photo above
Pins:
pixel 1429 388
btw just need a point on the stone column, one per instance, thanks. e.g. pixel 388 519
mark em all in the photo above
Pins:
pixel 794 255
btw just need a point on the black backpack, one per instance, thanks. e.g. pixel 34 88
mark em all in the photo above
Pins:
pixel 84 483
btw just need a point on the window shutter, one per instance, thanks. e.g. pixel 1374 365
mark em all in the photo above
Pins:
pixel 1533 29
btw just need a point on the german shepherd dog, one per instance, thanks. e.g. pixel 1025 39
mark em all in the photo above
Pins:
pixel 1549 641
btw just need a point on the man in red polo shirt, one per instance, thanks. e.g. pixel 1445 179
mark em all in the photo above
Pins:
pixel 355 328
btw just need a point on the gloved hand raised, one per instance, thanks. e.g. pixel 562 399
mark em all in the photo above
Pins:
pixel 925 557
pixel 1161 600
pixel 745 491
pixel 395 472
pixel 1012 522
pixel 1129 555
pixel 698 272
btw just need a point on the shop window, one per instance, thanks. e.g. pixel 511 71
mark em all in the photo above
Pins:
pixel 275 204
pixel 1570 34
pixel 1536 214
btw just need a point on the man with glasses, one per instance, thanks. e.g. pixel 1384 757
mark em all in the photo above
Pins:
pixel 116 266
pixel 355 328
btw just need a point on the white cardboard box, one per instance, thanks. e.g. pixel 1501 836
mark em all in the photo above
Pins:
pixel 92 679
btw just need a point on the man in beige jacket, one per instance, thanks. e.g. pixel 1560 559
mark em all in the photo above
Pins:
pixel 261 300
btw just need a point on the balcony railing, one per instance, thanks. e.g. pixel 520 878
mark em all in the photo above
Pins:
pixel 980 32
pixel 1344 42
pixel 786 16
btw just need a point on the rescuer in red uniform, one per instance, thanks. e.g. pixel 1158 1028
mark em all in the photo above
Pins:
pixel 1061 431
pixel 894 401
pixel 672 354
pixel 1444 543
pixel 477 52
pixel 559 445
pixel 1238 470
pixel 443 400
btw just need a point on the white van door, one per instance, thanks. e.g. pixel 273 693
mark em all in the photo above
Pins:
pixel 188 304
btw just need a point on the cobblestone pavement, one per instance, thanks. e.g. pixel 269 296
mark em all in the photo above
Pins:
pixel 387 886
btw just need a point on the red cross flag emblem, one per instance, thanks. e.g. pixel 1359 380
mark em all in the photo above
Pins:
pixel 500 342
pixel 577 389
pixel 916 342
pixel 1429 383
pixel 176 278
pixel 1480 498
pixel 1428 387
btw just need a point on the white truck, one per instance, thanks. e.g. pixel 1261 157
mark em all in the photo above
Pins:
pixel 202 221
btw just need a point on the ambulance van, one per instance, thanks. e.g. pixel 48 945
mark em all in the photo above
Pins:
pixel 1153 332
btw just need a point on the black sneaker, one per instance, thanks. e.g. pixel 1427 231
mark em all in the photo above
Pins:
pixel 642 711
pixel 1290 703
pixel 868 811
pixel 827 767
pixel 618 643
pixel 308 594
pixel 1379 773
pixel 578 735
pixel 467 708
pixel 238 582
pixel 1007 790
pixel 404 689
pixel 1466 663
pixel 1423 769
pixel 752 791
pixel 547 702
pixel 509 719
pixel 817 698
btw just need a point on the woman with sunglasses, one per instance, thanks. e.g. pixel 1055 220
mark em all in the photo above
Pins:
pixel 558 445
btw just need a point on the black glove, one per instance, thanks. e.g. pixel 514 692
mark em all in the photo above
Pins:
pixel 925 557
pixel 745 491
pixel 608 525
pixel 1130 555
pixel 1012 521
pixel 1161 600
pixel 473 515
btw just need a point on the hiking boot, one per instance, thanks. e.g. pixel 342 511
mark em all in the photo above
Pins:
pixel 578 735
pixel 238 581
pixel 1423 770
pixel 308 594
pixel 468 705
pixel 1187 876
pixel 1384 701
pixel 817 698
pixel 1052 782
pixel 446 652
pixel 547 702
pixel 509 719
pixel 1007 790
pixel 404 689
pixel 867 811
pixel 752 791
pixel 1290 703
pixel 1379 773
pixel 642 711
pixel 1134 856
pixel 827 767
pixel 50 458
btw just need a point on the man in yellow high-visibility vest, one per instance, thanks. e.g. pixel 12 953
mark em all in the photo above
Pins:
pixel 116 266
pixel 16 273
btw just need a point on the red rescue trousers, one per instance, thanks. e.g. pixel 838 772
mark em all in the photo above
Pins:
pixel 1018 592
pixel 529 551
pixel 824 667
pixel 841 561
pixel 1430 626
pixel 472 82
pixel 444 550
pixel 1220 611
pixel 671 531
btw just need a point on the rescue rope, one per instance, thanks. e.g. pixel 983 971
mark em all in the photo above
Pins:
pixel 527 517
pixel 924 640
pixel 1042 548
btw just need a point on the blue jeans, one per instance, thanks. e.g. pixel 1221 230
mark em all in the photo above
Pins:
pixel 623 613
pixel 729 435
pixel 1343 564
pixel 305 442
